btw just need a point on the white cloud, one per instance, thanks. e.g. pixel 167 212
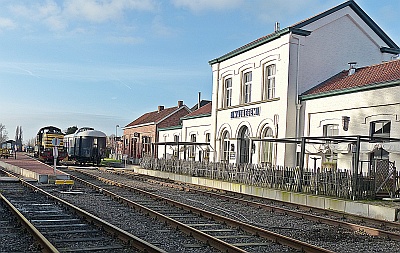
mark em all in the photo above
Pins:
pixel 6 23
pixel 58 16
pixel 282 9
pixel 48 13
pixel 102 11
pixel 162 29
pixel 203 5
pixel 126 40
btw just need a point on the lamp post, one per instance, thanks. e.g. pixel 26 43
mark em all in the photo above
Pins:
pixel 316 172
pixel 116 145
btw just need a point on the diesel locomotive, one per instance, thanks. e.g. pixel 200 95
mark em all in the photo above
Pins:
pixel 47 138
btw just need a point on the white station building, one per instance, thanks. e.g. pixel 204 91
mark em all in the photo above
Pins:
pixel 256 88
pixel 273 88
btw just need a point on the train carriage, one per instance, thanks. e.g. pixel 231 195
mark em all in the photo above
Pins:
pixel 86 145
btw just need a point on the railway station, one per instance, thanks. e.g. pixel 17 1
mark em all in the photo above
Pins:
pixel 296 152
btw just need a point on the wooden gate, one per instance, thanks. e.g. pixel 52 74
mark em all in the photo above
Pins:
pixel 385 177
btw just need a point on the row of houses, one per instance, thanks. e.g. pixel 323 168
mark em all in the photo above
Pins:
pixel 324 91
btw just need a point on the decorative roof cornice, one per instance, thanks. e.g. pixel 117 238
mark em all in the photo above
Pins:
pixel 170 128
pixel 261 41
pixel 196 116
pixel 390 50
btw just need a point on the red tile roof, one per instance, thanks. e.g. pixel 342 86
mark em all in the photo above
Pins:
pixel 375 74
pixel 153 117
pixel 205 109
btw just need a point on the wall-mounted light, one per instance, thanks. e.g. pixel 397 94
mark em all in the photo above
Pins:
pixel 345 122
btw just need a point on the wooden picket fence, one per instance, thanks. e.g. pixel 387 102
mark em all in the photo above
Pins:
pixel 321 181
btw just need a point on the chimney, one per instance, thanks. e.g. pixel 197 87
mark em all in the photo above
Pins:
pixel 277 27
pixel 180 103
pixel 352 68
pixel 199 100
pixel 160 108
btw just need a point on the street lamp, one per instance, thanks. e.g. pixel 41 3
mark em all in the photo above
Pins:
pixel 116 135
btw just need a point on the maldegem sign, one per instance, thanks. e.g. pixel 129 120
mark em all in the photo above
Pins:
pixel 250 112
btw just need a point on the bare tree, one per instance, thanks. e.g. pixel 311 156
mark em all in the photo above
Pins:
pixel 31 142
pixel 18 138
pixel 3 133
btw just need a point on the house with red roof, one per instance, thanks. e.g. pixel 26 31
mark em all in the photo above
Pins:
pixel 141 134
pixel 190 139
pixel 257 87
pixel 362 101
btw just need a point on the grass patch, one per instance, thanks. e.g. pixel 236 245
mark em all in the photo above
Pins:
pixel 109 161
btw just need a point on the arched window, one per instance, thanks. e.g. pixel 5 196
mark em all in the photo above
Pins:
pixel 192 149
pixel 266 147
pixel 175 149
pixel 225 147
pixel 244 145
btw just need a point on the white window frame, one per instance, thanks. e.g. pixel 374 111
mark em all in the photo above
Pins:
pixel 267 148
pixel 247 79
pixel 227 92
pixel 225 146
pixel 269 81
pixel 330 130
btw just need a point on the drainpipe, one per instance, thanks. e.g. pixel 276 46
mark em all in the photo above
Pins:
pixel 216 116
pixel 298 105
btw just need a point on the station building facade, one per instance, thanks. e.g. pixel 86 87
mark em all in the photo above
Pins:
pixel 256 88
pixel 355 102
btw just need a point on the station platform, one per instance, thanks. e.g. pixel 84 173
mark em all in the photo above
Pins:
pixel 30 168
pixel 379 209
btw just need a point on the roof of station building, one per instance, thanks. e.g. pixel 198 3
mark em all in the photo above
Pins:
pixel 205 110
pixel 376 76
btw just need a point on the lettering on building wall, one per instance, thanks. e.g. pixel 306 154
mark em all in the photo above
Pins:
pixel 246 113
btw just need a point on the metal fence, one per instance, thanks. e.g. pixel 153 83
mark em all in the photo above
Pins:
pixel 339 183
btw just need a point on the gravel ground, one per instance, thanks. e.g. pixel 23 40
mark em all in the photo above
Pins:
pixel 13 238
pixel 135 223
pixel 329 237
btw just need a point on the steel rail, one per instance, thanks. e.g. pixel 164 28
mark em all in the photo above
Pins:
pixel 329 221
pixel 278 238
pixel 128 238
pixel 46 246
pixel 212 241
pixel 312 217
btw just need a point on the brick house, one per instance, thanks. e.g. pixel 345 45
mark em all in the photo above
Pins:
pixel 140 134
pixel 191 137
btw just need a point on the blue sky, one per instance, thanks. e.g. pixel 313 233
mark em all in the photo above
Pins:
pixel 103 63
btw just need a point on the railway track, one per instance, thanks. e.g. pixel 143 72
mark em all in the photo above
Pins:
pixel 13 236
pixel 371 226
pixel 338 236
pixel 225 234
pixel 58 226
